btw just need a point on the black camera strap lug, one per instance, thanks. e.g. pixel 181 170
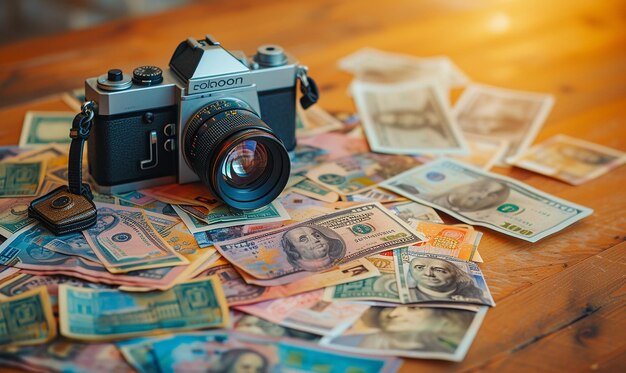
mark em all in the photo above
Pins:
pixel 308 87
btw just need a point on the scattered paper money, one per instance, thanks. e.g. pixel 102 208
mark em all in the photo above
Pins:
pixel 227 351
pixel 124 241
pixel 358 173
pixel 289 253
pixel 26 319
pixel 407 118
pixel 14 215
pixel 481 198
pixel 245 323
pixel 315 120
pixel 503 114
pixel 307 312
pixel 413 213
pixel 46 127
pixel 95 315
pixel 571 160
pixel 417 332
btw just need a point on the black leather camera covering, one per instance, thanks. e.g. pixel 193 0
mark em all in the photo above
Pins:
pixel 119 143
pixel 278 110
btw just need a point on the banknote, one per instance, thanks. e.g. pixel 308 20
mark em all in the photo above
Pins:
pixel 159 207
pixel 239 292
pixel 310 189
pixel 304 157
pixel 375 195
pixel 478 197
pixel 227 351
pixel 381 288
pixel 53 154
pixel 244 323
pixel 27 319
pixel 6 272
pixel 64 355
pixel 484 152
pixel 189 194
pixel 453 240
pixel 374 65
pixel 358 173
pixel 503 114
pixel 426 278
pixel 315 120
pixel 571 160
pixel 413 213
pixel 46 127
pixel 96 314
pixel 407 118
pixel 135 197
pixel 224 216
pixel 292 252
pixel 21 179
pixel 27 250
pixel 25 282
pixel 210 237
pixel 124 240
pixel 411 331
pixel 307 312
pixel 14 215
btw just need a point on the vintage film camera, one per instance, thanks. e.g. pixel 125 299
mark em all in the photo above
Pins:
pixel 215 116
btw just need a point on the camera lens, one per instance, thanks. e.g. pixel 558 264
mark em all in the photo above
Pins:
pixel 245 163
pixel 235 154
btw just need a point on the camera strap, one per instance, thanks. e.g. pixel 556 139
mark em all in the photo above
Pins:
pixel 308 87
pixel 70 208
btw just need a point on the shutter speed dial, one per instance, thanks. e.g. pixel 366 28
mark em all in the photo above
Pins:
pixel 147 75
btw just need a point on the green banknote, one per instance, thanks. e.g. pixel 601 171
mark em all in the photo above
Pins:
pixel 26 319
pixel 96 314
pixel 43 128
pixel 482 198
pixel 20 179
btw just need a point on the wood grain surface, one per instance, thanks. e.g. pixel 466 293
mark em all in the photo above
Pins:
pixel 560 302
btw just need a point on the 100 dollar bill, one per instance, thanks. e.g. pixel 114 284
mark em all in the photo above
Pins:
pixel 288 253
pixel 482 198
pixel 90 314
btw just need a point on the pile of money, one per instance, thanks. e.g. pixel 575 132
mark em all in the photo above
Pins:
pixel 349 269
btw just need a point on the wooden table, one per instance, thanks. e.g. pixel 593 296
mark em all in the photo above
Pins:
pixel 560 302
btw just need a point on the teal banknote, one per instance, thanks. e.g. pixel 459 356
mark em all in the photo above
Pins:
pixel 94 314
pixel 20 179
pixel 43 128
pixel 482 198
pixel 26 319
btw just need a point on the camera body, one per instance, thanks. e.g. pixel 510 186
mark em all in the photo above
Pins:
pixel 138 139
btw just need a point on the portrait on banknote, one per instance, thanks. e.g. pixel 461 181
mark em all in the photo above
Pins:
pixel 255 325
pixel 438 279
pixel 503 114
pixel 482 194
pixel 407 119
pixel 240 360
pixel 313 247
pixel 408 331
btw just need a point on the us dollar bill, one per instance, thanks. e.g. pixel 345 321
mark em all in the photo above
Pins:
pixel 124 240
pixel 41 128
pixel 27 319
pixel 292 252
pixel 482 198
pixel 424 278
pixel 407 118
pixel 96 314
pixel 14 215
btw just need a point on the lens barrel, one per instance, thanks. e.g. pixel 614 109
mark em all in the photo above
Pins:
pixel 235 154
